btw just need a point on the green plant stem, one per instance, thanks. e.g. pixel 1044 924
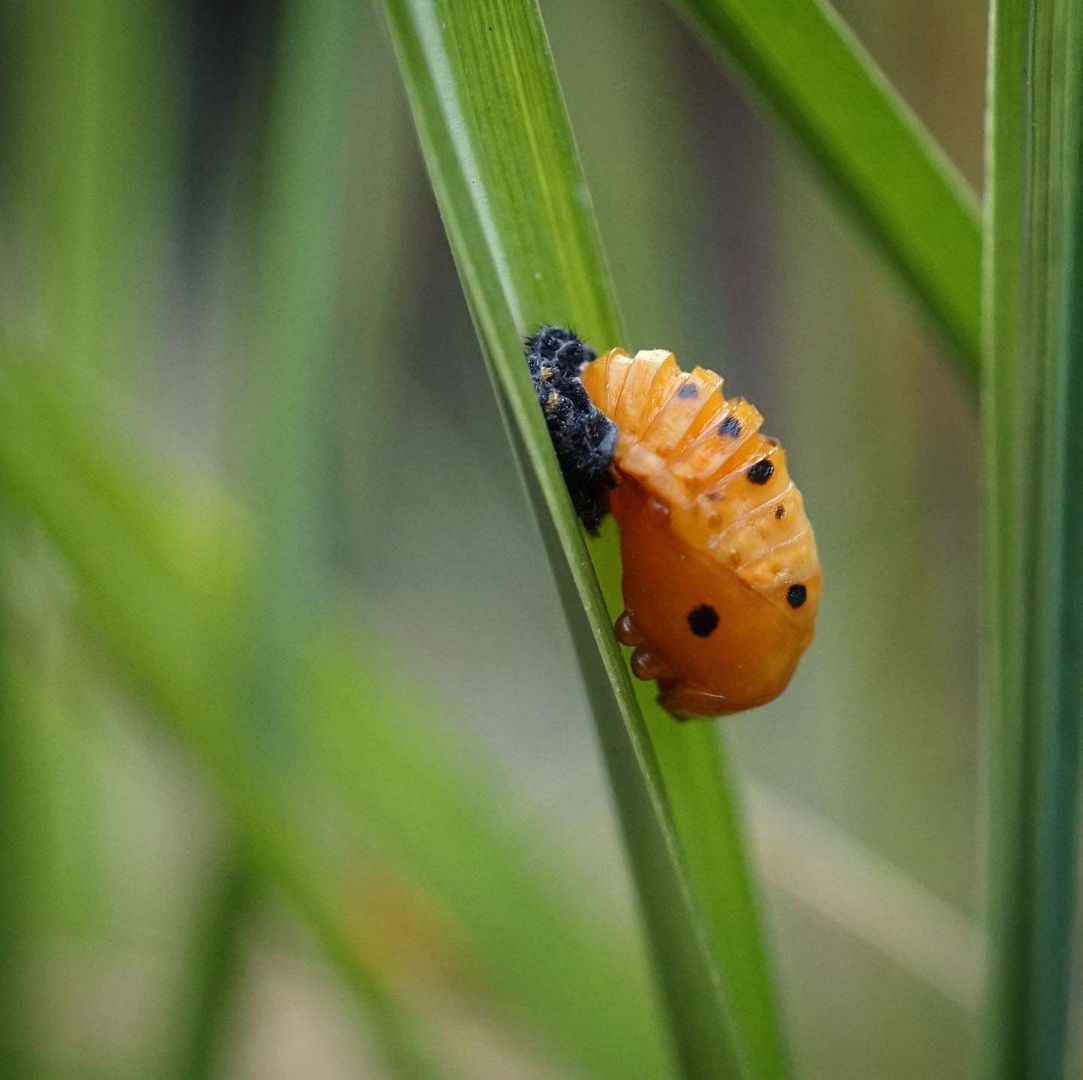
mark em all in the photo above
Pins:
pixel 216 963
pixel 96 176
pixel 15 834
pixel 503 165
pixel 1033 398
pixel 825 89
pixel 707 818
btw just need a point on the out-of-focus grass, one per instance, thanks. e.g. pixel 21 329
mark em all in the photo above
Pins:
pixel 95 177
pixel 213 976
pixel 86 179
pixel 290 338
pixel 175 629
pixel 15 876
pixel 813 73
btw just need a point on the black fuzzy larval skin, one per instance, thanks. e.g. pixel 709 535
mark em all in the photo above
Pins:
pixel 584 438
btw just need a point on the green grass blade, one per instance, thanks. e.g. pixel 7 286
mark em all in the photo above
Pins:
pixel 826 90
pixel 88 180
pixel 696 780
pixel 95 176
pixel 215 964
pixel 17 835
pixel 504 168
pixel 291 313
pixel 1033 397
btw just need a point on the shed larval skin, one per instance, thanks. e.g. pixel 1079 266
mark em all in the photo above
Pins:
pixel 721 575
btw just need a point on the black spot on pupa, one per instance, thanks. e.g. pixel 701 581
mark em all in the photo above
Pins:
pixel 730 428
pixel 702 620
pixel 761 472
pixel 689 390
pixel 780 512
pixel 796 595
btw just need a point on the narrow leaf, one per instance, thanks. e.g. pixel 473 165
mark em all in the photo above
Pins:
pixel 887 169
pixel 506 175
pixel 1033 397
pixel 292 310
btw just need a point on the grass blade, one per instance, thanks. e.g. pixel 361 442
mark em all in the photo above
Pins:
pixel 17 835
pixel 1034 393
pixel 292 311
pixel 503 165
pixel 826 90
pixel 101 229
pixel 216 964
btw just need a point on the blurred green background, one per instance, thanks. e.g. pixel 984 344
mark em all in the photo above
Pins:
pixel 138 209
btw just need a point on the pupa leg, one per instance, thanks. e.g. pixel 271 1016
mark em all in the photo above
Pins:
pixel 626 630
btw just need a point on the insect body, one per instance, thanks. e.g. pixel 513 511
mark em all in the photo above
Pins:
pixel 721 576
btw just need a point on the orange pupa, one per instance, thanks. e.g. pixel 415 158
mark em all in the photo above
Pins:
pixel 721 576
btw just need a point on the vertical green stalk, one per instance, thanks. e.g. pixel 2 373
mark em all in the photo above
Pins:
pixel 1033 399
pixel 294 295
pixel 295 298
pixel 89 128
pixel 15 917
pixel 216 961
pixel 504 168
pixel 95 141
pixel 843 114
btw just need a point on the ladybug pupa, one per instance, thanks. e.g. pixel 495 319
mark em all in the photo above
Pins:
pixel 721 579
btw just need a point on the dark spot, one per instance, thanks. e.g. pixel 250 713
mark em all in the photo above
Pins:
pixel 779 512
pixel 689 390
pixel 796 595
pixel 761 472
pixel 772 442
pixel 730 427
pixel 702 620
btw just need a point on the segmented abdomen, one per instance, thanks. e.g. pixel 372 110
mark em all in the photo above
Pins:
pixel 726 486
